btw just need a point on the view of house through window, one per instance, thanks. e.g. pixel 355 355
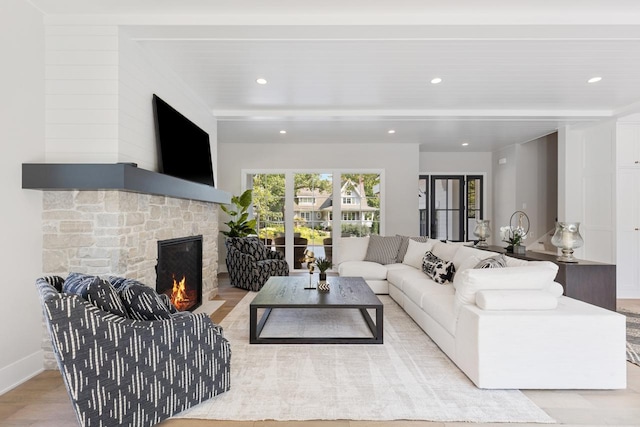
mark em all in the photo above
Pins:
pixel 314 215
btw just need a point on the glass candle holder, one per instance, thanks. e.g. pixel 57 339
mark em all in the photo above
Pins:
pixel 567 237
pixel 482 232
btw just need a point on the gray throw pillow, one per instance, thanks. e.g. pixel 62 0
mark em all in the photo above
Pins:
pixel 498 261
pixel 383 249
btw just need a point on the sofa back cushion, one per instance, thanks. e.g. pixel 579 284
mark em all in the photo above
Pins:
pixel 404 245
pixel 445 251
pixel 383 249
pixel 351 248
pixel 415 252
pixel 535 275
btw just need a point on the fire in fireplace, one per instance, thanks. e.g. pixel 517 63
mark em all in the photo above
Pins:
pixel 179 271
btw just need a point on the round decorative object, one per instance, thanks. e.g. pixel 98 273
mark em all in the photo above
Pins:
pixel 482 232
pixel 323 287
pixel 567 237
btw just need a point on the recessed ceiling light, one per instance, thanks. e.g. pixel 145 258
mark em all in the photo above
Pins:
pixel 436 80
pixel 261 81
pixel 391 131
pixel 464 144
pixel 594 79
pixel 283 131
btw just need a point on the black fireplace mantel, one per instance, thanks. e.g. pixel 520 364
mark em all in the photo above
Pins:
pixel 115 176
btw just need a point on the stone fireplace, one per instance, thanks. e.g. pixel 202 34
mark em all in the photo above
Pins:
pixel 110 232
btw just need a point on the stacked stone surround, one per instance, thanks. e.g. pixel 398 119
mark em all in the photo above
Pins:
pixel 109 232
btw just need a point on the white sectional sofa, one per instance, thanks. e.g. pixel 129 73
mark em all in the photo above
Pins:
pixel 505 327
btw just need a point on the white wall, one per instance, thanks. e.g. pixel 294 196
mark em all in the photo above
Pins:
pixel 22 118
pixel 504 188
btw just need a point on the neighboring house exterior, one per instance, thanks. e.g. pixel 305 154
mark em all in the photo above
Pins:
pixel 315 208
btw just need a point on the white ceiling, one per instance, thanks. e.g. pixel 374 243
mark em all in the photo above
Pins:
pixel 342 71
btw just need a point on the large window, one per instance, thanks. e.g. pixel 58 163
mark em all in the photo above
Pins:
pixel 295 211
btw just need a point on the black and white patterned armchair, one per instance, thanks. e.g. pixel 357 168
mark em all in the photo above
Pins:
pixel 250 263
pixel 125 372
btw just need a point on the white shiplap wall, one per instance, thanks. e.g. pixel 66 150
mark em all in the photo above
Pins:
pixel 81 72
pixel 99 86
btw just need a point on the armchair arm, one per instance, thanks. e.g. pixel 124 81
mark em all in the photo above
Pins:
pixel 275 255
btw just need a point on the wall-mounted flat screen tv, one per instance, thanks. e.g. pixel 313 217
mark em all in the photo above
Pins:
pixel 184 148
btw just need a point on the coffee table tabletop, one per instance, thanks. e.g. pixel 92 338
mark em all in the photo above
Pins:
pixel 289 292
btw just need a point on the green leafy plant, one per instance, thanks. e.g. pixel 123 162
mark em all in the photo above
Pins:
pixel 239 225
pixel 323 264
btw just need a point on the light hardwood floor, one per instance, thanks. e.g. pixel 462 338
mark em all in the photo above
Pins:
pixel 43 400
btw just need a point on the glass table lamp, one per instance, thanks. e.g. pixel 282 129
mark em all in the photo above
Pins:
pixel 567 237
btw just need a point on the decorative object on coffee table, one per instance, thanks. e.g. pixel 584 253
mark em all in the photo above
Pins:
pixel 482 232
pixel 310 259
pixel 516 232
pixel 567 237
pixel 323 265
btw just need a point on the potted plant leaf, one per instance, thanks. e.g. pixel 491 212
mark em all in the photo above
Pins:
pixel 323 265
pixel 239 225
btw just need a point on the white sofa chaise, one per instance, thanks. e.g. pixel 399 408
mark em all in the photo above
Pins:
pixel 507 328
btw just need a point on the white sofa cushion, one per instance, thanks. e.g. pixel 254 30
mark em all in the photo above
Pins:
pixel 463 253
pixel 442 309
pixel 397 276
pixel 351 248
pixel 445 251
pixel 415 252
pixel 364 269
pixel 405 244
pixel 516 300
pixel 516 262
pixel 533 276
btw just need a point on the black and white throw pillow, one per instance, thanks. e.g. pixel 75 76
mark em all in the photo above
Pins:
pixel 498 261
pixel 104 296
pixel 439 270
pixel 143 303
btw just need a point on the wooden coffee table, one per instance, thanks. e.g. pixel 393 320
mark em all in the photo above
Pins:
pixel 289 292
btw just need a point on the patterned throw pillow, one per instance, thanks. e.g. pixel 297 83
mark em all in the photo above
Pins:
pixel 104 296
pixel 498 261
pixel 143 303
pixel 440 271
pixel 77 284
pixel 383 249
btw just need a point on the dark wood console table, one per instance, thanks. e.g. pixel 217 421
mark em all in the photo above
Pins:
pixel 588 281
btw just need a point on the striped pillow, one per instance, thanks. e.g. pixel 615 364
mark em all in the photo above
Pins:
pixel 498 261
pixel 383 249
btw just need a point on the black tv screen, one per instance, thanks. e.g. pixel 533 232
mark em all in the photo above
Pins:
pixel 184 149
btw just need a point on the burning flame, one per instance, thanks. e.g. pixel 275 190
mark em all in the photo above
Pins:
pixel 179 296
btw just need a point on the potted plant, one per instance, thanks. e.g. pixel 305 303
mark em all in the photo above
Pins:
pixel 239 225
pixel 323 265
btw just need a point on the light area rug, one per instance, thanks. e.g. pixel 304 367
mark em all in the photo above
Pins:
pixel 406 378
pixel 633 336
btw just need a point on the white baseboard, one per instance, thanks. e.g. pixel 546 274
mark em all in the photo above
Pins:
pixel 20 371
